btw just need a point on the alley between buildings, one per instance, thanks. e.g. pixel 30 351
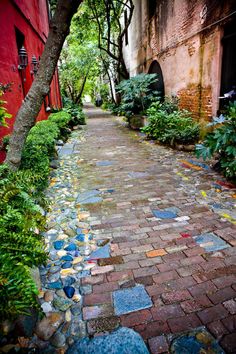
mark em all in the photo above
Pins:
pixel 140 236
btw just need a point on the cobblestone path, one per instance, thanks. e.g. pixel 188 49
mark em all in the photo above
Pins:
pixel 148 237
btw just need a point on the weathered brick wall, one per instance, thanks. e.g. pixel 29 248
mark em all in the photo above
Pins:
pixel 184 36
pixel 197 100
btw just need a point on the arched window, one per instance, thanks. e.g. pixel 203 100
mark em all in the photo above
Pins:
pixel 151 8
pixel 159 84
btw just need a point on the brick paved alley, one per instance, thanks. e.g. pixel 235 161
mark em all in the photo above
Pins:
pixel 157 206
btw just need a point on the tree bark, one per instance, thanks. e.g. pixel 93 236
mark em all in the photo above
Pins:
pixel 78 98
pixel 58 30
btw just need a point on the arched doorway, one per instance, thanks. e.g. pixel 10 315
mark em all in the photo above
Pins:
pixel 159 84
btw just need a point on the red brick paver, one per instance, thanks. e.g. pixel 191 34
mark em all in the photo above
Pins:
pixel 188 286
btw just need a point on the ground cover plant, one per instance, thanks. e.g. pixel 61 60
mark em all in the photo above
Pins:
pixel 22 216
pixel 221 142
pixel 136 94
pixel 170 125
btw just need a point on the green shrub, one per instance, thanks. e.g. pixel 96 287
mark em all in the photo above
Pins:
pixel 22 217
pixel 222 141
pixel 3 112
pixel 39 146
pixel 76 112
pixel 61 119
pixel 170 127
pixel 21 247
pixel 136 94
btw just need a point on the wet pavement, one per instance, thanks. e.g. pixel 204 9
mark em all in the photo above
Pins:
pixel 139 236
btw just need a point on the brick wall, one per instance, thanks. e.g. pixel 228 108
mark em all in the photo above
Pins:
pixel 197 100
pixel 185 38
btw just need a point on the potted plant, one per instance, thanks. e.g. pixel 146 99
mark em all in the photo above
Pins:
pixel 136 96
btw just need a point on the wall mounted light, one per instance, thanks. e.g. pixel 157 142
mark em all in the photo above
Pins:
pixel 22 58
pixel 34 65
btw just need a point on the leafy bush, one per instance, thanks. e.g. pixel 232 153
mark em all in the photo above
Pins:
pixel 170 126
pixel 136 94
pixel 62 119
pixel 76 112
pixel 38 148
pixel 21 219
pixel 222 141
pixel 3 112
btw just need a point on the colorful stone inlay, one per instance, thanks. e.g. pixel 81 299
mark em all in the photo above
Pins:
pixel 130 300
pixel 198 341
pixel 210 242
pixel 164 214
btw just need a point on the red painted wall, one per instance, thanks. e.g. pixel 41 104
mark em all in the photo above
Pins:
pixel 31 19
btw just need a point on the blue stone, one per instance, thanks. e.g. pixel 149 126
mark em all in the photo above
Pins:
pixel 58 245
pixel 122 341
pixel 102 252
pixel 164 214
pixel 80 237
pixel 130 300
pixel 111 190
pixel 195 342
pixel 91 200
pixel 217 186
pixel 210 242
pixel 104 163
pixel 67 258
pixel 66 265
pixel 138 174
pixel 57 263
pixel 71 247
pixel 69 291
pixel 83 274
pixel 200 164
pixel 90 237
pixel 69 281
pixel 174 210
pixel 54 285
pixel 86 195
pixel 217 206
pixel 78 230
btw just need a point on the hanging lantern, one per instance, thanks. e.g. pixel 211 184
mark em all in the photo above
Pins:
pixel 23 58
pixel 34 65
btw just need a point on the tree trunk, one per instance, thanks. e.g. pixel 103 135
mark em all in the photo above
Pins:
pixel 58 30
pixel 78 98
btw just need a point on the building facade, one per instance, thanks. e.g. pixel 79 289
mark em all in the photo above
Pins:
pixel 191 45
pixel 24 27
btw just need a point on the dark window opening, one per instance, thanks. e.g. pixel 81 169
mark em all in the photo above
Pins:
pixel 126 32
pixel 151 8
pixel 228 69
pixel 20 39
pixel 159 84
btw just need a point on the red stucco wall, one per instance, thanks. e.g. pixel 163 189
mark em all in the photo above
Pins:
pixel 31 18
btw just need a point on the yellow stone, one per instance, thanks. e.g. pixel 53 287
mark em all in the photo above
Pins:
pixel 68 271
pixel 61 253
pixel 77 260
pixel 62 237
pixel 203 338
pixel 68 315
pixel 203 193
pixel 41 294
pixel 227 216
pixel 76 298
